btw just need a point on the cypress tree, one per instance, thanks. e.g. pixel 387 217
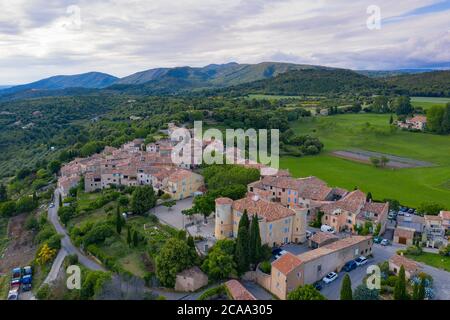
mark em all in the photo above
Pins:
pixel 60 199
pixel 415 295
pixel 242 244
pixel 346 288
pixel 119 221
pixel 391 120
pixel 135 239
pixel 400 286
pixel 255 241
pixel 129 236
pixel 421 290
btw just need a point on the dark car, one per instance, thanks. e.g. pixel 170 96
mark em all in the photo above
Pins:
pixel 26 287
pixel 317 285
pixel 377 239
pixel 276 251
pixel 411 211
pixel 349 266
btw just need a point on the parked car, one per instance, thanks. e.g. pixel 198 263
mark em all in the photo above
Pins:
pixel 26 287
pixel 401 213
pixel 308 234
pixel 377 239
pixel 327 228
pixel 13 294
pixel 317 285
pixel 349 266
pixel 330 277
pixel 385 242
pixel 52 205
pixel 281 253
pixel 361 261
pixel 17 273
pixel 411 211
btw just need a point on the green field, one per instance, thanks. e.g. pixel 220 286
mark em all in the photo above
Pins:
pixel 272 97
pixel 428 102
pixel 433 259
pixel 372 132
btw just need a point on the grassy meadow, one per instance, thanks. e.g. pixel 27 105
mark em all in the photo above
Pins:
pixel 372 132
pixel 428 102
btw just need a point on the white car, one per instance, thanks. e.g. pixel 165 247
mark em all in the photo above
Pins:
pixel 361 261
pixel 52 205
pixel 282 253
pixel 327 228
pixel 330 277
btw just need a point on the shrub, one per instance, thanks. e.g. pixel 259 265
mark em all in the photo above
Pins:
pixel 265 267
pixel 414 250
pixel 214 293
pixel 43 292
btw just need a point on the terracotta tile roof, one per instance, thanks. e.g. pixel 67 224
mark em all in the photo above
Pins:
pixel 404 232
pixel 352 202
pixel 180 174
pixel 221 201
pixel 418 119
pixel 376 207
pixel 269 210
pixel 432 218
pixel 286 263
pixel 321 237
pixel 409 265
pixel 445 215
pixel 332 247
pixel 313 188
pixel 280 182
pixel 238 291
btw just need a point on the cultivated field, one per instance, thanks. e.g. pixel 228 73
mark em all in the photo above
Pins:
pixel 428 102
pixel 372 132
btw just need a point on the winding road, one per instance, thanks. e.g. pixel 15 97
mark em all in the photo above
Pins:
pixel 67 248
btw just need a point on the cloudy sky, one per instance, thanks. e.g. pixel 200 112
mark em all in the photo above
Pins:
pixel 41 38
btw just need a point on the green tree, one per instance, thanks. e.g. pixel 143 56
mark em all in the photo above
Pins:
pixel 346 288
pixel 446 119
pixel 402 105
pixel 119 221
pixel 364 293
pixel 255 241
pixel 173 258
pixel 204 205
pixel 421 290
pixel 400 286
pixel 219 264
pixel 430 208
pixel 60 201
pixel 26 204
pixel 242 244
pixel 169 204
pixel 391 119
pixel 129 239
pixel 135 238
pixel 369 196
pixel 7 209
pixel 143 199
pixel 306 292
pixel 3 193
pixel 54 166
pixel 435 119
pixel 65 214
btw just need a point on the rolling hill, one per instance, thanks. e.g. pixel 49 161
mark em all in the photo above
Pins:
pixel 433 84
pixel 90 80
pixel 311 82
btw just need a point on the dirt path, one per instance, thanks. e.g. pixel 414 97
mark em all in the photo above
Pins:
pixel 394 161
